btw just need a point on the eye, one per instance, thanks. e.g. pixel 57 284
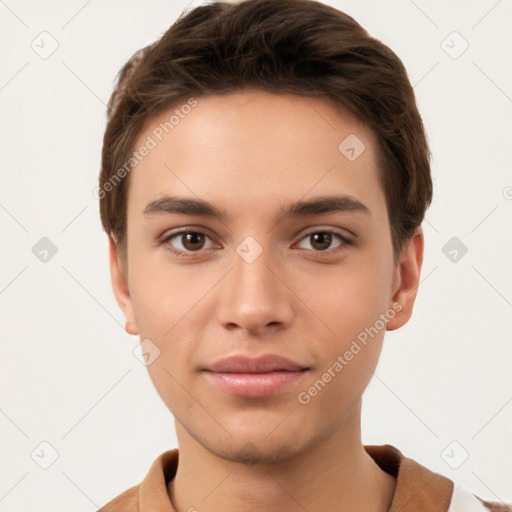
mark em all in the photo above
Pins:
pixel 321 240
pixel 187 241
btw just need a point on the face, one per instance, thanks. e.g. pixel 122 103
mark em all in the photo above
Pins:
pixel 256 228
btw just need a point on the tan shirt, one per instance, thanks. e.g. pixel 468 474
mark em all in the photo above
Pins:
pixel 417 488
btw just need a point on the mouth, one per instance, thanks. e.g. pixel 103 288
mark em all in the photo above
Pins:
pixel 250 377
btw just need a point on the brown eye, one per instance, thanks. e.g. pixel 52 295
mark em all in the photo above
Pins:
pixel 187 242
pixel 321 241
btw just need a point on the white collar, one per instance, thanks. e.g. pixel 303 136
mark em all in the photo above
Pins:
pixel 464 501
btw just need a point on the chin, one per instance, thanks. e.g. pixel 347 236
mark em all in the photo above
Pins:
pixel 252 453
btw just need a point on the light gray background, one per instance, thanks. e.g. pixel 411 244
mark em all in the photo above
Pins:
pixel 68 374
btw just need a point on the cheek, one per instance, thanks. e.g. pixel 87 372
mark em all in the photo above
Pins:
pixel 350 299
pixel 167 309
pixel 164 317
pixel 350 306
pixel 165 298
pixel 351 310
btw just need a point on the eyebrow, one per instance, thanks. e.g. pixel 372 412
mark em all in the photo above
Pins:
pixel 316 206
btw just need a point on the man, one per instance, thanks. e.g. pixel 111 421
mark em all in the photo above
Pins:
pixel 265 173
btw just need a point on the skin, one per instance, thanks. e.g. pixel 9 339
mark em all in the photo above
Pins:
pixel 251 153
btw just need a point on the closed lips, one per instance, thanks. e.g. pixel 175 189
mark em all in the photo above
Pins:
pixel 262 364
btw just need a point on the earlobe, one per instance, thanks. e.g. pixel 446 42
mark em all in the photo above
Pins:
pixel 408 278
pixel 130 329
pixel 120 287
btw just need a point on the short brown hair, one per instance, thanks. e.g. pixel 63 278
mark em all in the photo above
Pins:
pixel 301 47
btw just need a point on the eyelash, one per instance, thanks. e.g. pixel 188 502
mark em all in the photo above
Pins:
pixel 342 238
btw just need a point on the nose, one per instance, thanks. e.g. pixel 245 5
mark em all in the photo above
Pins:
pixel 254 296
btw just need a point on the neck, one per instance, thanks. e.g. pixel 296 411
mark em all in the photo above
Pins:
pixel 334 474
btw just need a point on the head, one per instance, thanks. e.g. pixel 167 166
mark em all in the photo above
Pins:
pixel 297 137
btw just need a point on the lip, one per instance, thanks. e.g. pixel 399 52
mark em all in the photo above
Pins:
pixel 265 363
pixel 255 377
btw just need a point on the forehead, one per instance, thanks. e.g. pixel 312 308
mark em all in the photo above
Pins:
pixel 254 146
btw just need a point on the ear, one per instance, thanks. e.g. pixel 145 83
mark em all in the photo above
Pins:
pixel 118 276
pixel 407 279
